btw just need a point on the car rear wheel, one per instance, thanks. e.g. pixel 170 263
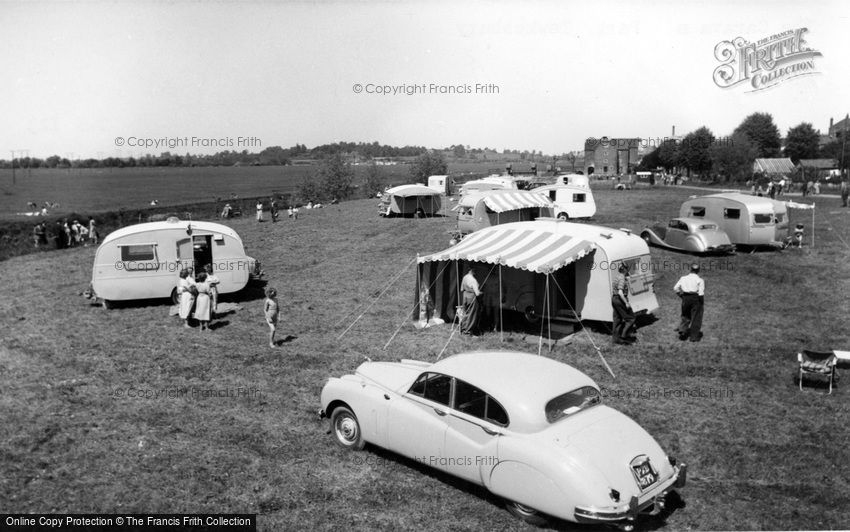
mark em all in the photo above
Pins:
pixel 529 515
pixel 346 429
pixel 563 216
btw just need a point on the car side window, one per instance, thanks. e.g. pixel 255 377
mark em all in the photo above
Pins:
pixel 733 214
pixel 434 387
pixel 698 212
pixel 473 401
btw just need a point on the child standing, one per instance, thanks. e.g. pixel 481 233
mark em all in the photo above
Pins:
pixel 202 303
pixel 271 310
pixel 259 211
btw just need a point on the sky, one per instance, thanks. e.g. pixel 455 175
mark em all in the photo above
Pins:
pixel 100 79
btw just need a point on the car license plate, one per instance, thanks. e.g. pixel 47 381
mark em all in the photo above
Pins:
pixel 645 475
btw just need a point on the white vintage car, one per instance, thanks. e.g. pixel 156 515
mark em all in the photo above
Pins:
pixel 528 428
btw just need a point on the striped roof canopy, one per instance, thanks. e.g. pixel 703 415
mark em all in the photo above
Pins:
pixel 523 247
pixel 507 199
pixel 782 165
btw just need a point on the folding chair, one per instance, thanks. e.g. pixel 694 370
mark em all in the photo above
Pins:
pixel 820 363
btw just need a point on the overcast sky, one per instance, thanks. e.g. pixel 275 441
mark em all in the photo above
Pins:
pixel 76 75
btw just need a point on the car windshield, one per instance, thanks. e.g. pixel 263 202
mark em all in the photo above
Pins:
pixel 572 402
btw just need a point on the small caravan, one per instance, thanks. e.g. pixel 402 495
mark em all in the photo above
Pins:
pixel 441 183
pixel 748 220
pixel 571 201
pixel 144 261
pixel 493 207
pixel 407 200
pixel 544 268
pixel 576 180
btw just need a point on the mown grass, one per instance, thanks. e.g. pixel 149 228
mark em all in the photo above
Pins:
pixel 762 455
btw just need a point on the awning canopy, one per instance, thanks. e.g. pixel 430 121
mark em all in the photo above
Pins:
pixel 511 200
pixel 405 191
pixel 534 250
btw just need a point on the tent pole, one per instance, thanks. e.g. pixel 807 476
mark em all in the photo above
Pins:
pixel 813 225
pixel 501 321
pixel 549 311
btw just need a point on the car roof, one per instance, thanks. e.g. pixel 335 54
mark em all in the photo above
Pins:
pixel 522 383
pixel 696 222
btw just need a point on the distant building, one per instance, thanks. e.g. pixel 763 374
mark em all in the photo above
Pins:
pixel 609 156
pixel 838 127
pixel 817 168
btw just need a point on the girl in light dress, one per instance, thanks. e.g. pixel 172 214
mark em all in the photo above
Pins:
pixel 185 288
pixel 213 281
pixel 202 303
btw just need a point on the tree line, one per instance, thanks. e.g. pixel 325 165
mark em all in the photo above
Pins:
pixel 731 158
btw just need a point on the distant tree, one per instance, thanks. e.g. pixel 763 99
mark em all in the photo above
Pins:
pixel 802 142
pixel 762 133
pixel 374 180
pixel 459 150
pixel 694 151
pixel 651 161
pixel 337 177
pixel 669 155
pixel 427 164
pixel 838 150
pixel 733 159
pixel 308 190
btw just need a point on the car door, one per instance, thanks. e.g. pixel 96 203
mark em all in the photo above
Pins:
pixel 676 234
pixel 417 423
pixel 474 426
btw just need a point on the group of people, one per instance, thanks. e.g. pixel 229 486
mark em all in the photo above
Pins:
pixel 65 235
pixel 691 290
pixel 198 296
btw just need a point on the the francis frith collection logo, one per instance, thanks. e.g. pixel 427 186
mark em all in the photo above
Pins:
pixel 764 63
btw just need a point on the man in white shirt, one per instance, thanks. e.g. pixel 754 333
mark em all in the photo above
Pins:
pixel 471 311
pixel 691 288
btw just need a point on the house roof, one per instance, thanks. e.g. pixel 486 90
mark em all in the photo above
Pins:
pixel 823 164
pixel 781 165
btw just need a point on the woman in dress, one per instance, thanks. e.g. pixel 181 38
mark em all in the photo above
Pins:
pixel 202 304
pixel 184 289
pixel 213 281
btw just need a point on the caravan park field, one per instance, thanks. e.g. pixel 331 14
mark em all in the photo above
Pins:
pixel 126 411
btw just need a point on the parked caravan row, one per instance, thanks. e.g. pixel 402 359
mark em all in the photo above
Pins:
pixel 748 220
pixel 543 268
pixel 144 261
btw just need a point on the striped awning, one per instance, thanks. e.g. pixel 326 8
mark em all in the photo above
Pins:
pixel 527 249
pixel 511 200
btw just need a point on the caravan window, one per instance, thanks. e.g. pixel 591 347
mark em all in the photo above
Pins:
pixel 578 198
pixel 553 195
pixel 137 252
pixel 698 212
pixel 732 214
pixel 763 218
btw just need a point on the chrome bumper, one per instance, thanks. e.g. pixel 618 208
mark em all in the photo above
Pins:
pixel 650 503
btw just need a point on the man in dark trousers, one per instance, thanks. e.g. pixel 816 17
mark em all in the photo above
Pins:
pixel 624 317
pixel 471 307
pixel 691 288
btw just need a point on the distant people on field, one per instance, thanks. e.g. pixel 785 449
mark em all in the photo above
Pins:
pixel 271 310
pixel 39 235
pixel 202 301
pixel 845 193
pixel 804 188
pixel 259 211
pixel 227 211
pixel 817 187
pixel 92 231
pixel 154 203
pixel 273 209
pixel 68 236
pixel 290 211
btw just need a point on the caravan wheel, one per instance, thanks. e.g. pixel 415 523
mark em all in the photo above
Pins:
pixel 175 297
pixel 564 216
pixel 107 304
pixel 531 314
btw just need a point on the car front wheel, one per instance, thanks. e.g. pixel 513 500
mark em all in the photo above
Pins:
pixel 346 429
pixel 529 515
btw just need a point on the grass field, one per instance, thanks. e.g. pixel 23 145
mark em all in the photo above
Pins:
pixel 225 424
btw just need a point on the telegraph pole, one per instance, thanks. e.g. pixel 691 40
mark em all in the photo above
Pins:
pixel 13 167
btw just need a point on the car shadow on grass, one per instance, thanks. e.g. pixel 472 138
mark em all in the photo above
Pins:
pixel 673 501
